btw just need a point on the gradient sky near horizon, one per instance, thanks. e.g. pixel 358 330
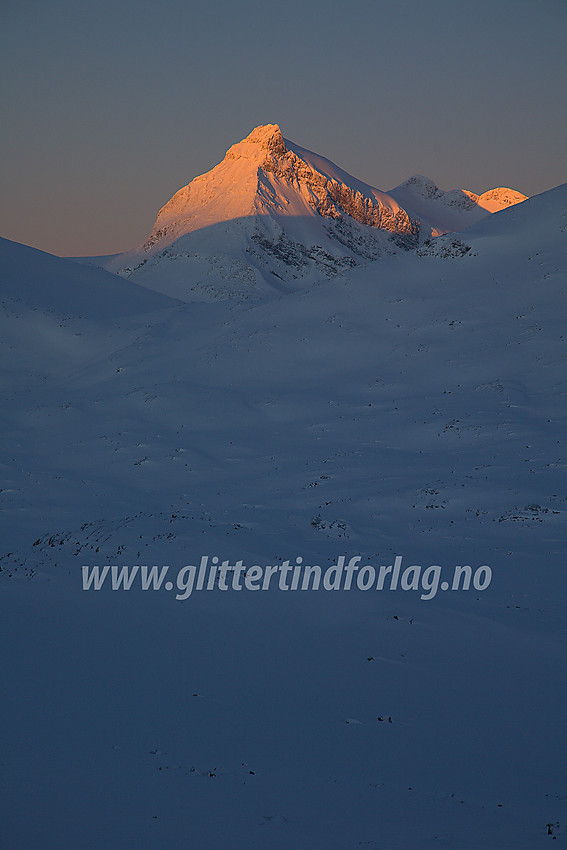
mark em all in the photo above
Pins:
pixel 110 107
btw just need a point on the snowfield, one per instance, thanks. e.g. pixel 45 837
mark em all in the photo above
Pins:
pixel 414 406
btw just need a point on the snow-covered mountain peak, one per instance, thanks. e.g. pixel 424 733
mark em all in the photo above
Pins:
pixel 271 210
pixel 497 199
pixel 272 213
pixel 440 212
pixel 420 185
pixel 263 139
pixel 423 188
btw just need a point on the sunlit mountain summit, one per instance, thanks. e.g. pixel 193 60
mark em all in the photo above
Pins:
pixel 273 215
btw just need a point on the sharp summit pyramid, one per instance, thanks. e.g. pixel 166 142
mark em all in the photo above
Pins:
pixel 273 215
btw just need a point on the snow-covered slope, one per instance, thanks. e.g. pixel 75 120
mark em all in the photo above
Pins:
pixel 415 407
pixel 53 285
pixel 273 215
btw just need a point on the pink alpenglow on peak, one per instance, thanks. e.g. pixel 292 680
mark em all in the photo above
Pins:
pixel 498 199
pixel 267 137
pixel 275 216
pixel 271 216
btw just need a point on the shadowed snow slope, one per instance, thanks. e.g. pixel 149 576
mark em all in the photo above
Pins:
pixel 414 407
pixel 55 285
pixel 275 216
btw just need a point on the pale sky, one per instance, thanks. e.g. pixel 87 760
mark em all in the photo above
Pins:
pixel 108 108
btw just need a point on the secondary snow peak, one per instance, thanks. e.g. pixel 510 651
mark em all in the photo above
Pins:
pixel 423 186
pixel 497 199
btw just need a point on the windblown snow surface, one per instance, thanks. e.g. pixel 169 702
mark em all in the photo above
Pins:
pixel 414 407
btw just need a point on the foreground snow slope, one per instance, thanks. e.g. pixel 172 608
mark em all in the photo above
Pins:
pixel 275 216
pixel 414 408
pixel 54 286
